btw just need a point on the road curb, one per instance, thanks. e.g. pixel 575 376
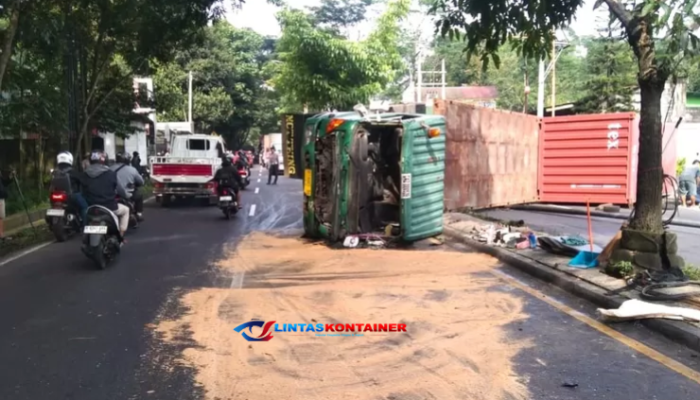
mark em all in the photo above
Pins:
pixel 21 253
pixel 677 331
pixel 594 213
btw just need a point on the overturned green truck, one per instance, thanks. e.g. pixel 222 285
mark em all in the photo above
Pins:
pixel 381 174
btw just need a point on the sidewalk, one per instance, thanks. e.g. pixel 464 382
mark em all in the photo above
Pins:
pixel 687 217
pixel 591 284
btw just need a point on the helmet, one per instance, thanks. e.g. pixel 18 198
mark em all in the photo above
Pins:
pixel 121 158
pixel 227 161
pixel 64 157
pixel 97 157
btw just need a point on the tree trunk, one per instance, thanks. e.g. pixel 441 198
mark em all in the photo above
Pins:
pixel 648 213
pixel 8 40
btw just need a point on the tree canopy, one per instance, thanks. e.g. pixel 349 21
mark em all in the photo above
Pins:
pixel 321 70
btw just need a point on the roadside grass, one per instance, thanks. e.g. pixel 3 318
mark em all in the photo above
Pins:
pixel 25 238
pixel 692 272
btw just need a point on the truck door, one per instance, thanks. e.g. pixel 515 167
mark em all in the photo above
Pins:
pixel 422 177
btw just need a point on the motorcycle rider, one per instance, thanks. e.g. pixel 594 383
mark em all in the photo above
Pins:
pixel 227 177
pixel 130 178
pixel 101 187
pixel 65 179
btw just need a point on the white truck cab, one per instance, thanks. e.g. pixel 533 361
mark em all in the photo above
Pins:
pixel 189 168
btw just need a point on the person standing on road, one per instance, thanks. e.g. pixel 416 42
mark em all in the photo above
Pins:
pixel 3 196
pixel 274 161
pixel 688 182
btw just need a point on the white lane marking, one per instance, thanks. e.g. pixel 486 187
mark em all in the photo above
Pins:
pixel 252 211
pixel 237 280
pixel 258 180
pixel 257 189
pixel 25 252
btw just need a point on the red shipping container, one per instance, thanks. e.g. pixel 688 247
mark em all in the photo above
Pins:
pixel 594 158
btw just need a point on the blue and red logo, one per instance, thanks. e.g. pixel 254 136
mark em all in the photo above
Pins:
pixel 354 329
pixel 263 337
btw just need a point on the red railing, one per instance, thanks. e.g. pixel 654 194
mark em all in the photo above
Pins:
pixel 183 169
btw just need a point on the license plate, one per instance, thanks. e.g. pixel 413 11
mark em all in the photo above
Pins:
pixel 307 182
pixel 225 198
pixel 52 212
pixel 96 229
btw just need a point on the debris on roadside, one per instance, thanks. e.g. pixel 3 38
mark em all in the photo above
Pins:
pixel 638 309
pixel 364 241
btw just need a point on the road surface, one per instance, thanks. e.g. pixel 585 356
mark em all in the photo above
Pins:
pixel 160 324
pixel 603 228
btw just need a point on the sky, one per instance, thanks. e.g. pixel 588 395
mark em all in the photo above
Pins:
pixel 260 16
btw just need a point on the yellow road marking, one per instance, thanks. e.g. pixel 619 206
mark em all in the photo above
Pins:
pixel 600 327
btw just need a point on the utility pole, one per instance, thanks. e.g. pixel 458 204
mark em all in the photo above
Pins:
pixel 540 90
pixel 419 84
pixel 189 104
pixel 554 74
pixel 442 68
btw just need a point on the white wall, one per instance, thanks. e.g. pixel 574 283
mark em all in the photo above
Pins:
pixel 688 141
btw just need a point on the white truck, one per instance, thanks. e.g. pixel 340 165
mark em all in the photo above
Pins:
pixel 189 168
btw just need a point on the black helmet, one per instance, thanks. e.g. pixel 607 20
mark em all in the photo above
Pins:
pixel 121 158
pixel 226 162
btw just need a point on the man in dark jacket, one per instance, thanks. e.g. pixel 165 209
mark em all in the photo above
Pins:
pixel 227 177
pixel 65 179
pixel 101 188
pixel 4 183
pixel 136 161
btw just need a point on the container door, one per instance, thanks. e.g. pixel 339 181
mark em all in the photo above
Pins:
pixel 422 177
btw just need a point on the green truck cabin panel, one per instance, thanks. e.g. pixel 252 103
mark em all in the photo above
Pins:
pixel 423 178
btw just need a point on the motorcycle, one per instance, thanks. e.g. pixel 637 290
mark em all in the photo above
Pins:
pixel 133 219
pixel 62 219
pixel 228 203
pixel 101 237
pixel 244 172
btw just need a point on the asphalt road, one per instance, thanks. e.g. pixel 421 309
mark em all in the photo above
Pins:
pixel 603 228
pixel 69 331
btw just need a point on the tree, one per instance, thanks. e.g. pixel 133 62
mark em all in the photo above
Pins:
pixel 339 15
pixel 321 70
pixel 230 67
pixel 659 33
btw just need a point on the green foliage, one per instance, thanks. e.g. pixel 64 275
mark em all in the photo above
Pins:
pixel 620 269
pixel 338 15
pixel 692 272
pixel 680 166
pixel 321 70
pixel 611 77
pixel 229 67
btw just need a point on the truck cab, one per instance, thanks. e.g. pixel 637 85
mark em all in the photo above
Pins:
pixel 381 175
pixel 189 169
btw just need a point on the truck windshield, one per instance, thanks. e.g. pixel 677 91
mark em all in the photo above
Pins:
pixel 198 144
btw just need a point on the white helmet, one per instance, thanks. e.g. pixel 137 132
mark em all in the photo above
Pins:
pixel 64 157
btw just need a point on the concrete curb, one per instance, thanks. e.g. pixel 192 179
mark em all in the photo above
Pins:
pixel 677 331
pixel 594 213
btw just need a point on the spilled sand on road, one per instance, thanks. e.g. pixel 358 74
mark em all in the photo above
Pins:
pixel 456 346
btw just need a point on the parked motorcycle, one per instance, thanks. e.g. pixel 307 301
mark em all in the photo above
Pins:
pixel 101 237
pixel 228 203
pixel 62 219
